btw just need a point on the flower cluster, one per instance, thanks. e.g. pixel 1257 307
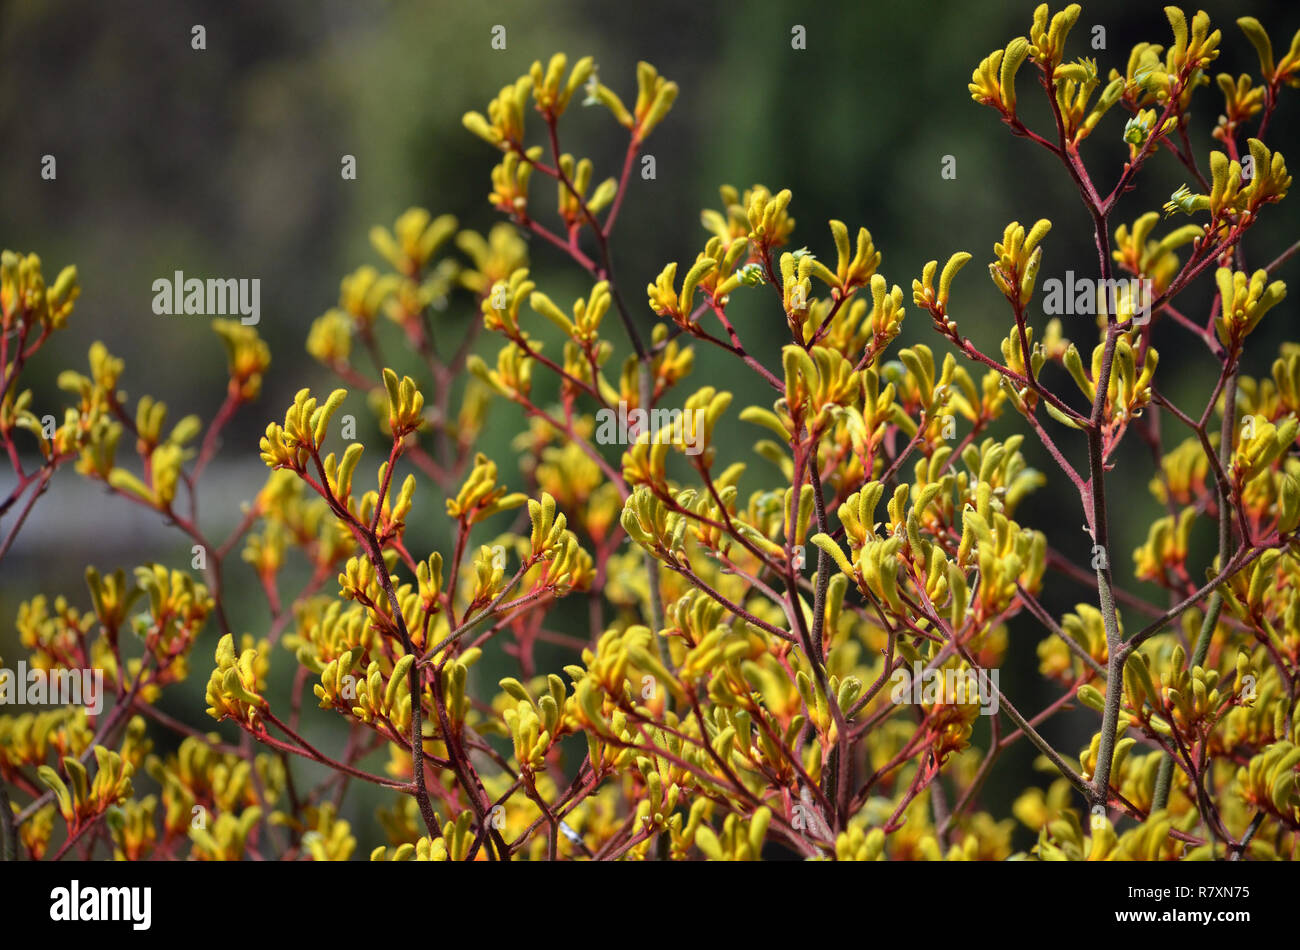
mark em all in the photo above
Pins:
pixel 801 658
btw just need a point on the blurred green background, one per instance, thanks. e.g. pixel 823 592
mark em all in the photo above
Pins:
pixel 225 162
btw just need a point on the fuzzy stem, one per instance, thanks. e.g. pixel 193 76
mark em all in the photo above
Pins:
pixel 1211 620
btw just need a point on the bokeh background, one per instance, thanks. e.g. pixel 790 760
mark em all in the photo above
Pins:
pixel 225 162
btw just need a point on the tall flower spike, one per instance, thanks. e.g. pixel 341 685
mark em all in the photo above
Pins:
pixel 1016 269
pixel 924 294
pixel 504 126
pixel 550 92
pixel 1192 50
pixel 655 96
pixel 853 268
pixel 1269 181
pixel 481 497
pixel 1245 301
pixel 1287 69
pixel 1047 38
pixel 993 83
pixel 415 238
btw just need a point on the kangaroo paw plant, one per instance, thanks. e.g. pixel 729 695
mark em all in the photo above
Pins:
pixel 792 651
